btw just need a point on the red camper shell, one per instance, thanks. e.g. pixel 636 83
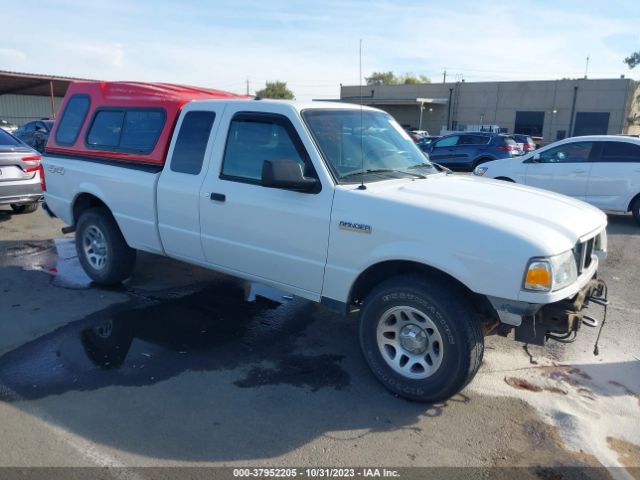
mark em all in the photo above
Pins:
pixel 122 121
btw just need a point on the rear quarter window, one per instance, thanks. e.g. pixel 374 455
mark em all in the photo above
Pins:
pixel 72 119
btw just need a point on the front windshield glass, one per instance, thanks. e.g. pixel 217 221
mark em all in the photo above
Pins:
pixel 352 142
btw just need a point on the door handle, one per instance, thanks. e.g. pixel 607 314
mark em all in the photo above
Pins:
pixel 218 197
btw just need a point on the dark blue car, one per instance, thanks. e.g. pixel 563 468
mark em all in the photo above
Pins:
pixel 464 151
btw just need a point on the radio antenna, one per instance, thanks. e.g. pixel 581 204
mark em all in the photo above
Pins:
pixel 362 185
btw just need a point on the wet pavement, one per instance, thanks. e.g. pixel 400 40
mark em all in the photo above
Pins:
pixel 182 366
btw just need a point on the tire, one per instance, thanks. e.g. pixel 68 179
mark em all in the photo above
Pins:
pixel 27 208
pixel 423 308
pixel 102 250
pixel 635 210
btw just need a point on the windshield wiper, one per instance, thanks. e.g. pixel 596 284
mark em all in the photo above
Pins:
pixel 381 170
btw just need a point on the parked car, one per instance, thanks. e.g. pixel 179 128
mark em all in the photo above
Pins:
pixel 19 174
pixel 8 126
pixel 466 150
pixel 35 133
pixel 275 192
pixel 527 142
pixel 424 142
pixel 417 135
pixel 603 170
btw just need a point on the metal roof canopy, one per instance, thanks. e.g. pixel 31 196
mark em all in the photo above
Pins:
pixel 33 84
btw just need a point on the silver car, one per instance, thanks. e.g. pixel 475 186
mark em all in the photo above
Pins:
pixel 19 175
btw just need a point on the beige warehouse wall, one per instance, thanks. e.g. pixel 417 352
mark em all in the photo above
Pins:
pixel 20 109
pixel 498 102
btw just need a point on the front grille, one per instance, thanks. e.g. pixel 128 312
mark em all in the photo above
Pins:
pixel 583 254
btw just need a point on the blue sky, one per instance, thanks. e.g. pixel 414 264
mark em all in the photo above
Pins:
pixel 314 45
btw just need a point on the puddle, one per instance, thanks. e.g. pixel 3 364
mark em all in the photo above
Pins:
pixel 155 336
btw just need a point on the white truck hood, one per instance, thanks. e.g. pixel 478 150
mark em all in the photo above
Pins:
pixel 553 222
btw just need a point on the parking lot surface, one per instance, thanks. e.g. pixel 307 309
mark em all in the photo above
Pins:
pixel 183 366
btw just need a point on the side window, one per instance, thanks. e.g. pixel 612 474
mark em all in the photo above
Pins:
pixel 448 141
pixel 253 139
pixel 72 119
pixel 106 128
pixel 569 153
pixel 622 152
pixel 191 144
pixel 129 130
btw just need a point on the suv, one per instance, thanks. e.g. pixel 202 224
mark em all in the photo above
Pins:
pixel 528 145
pixel 19 175
pixel 466 150
pixel 35 134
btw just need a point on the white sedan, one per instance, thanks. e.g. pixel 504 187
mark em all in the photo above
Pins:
pixel 603 170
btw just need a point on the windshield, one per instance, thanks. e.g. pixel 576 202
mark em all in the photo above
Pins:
pixel 352 142
pixel 6 139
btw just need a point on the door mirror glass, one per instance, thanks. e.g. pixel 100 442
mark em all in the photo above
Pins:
pixel 286 174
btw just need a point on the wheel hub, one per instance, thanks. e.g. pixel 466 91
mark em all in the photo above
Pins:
pixel 414 339
pixel 95 247
pixel 410 342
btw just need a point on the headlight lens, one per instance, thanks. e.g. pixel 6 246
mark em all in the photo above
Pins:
pixel 480 171
pixel 552 273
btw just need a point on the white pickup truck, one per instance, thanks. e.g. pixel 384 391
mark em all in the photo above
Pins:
pixel 334 203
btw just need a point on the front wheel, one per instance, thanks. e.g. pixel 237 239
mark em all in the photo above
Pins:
pixel 102 250
pixel 421 337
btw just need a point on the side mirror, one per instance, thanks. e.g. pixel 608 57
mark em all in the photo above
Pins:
pixel 286 174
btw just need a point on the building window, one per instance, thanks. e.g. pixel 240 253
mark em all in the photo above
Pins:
pixel 591 123
pixel 529 123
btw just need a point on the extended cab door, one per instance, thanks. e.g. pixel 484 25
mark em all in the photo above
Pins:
pixel 271 234
pixel 615 175
pixel 562 169
pixel 444 150
pixel 178 192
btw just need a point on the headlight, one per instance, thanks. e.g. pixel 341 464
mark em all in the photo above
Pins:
pixel 480 171
pixel 551 273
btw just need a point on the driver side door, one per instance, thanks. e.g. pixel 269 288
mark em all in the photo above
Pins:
pixel 273 235
pixel 563 169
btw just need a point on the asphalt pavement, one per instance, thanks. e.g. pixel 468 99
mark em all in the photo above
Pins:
pixel 181 366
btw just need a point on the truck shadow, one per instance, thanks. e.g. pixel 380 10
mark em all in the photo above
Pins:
pixel 622 224
pixel 211 374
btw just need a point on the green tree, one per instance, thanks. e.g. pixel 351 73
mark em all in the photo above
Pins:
pixel 411 79
pixel 276 89
pixel 633 60
pixel 382 78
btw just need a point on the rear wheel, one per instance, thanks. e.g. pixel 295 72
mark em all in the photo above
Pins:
pixel 481 161
pixel 635 209
pixel 26 208
pixel 421 337
pixel 102 250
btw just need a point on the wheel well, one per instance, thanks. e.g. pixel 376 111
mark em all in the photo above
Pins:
pixel 632 202
pixel 379 272
pixel 482 159
pixel 83 202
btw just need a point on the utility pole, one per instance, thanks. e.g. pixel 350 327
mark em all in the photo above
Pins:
pixel 247 87
pixel 586 68
pixel 444 76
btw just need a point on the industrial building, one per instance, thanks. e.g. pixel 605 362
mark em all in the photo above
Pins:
pixel 25 97
pixel 552 109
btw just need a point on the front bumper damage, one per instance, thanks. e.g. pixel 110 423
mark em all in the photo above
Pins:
pixel 560 321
